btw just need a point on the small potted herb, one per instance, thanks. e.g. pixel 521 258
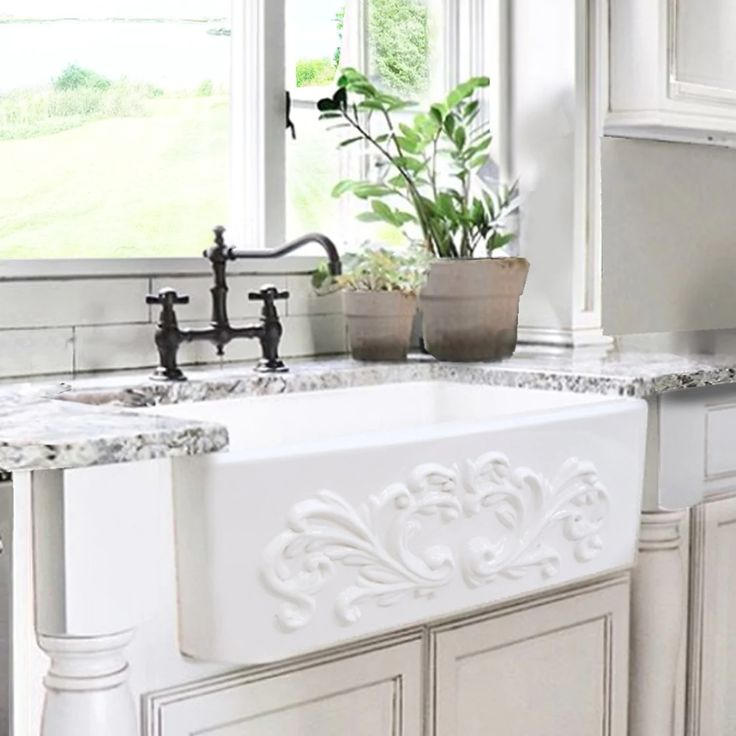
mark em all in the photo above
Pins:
pixel 380 287
pixel 431 180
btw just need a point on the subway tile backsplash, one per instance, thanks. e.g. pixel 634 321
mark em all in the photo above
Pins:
pixel 73 302
pixel 80 325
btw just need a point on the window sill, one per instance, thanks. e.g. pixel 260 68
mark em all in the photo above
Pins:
pixel 32 270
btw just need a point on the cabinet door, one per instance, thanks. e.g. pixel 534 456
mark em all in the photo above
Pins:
pixel 556 668
pixel 672 67
pixel 377 693
pixel 712 675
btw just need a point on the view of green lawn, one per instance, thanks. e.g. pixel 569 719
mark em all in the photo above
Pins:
pixel 155 184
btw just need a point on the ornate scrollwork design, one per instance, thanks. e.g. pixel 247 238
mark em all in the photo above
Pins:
pixel 377 537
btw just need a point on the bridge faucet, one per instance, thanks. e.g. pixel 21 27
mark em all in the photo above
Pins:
pixel 269 330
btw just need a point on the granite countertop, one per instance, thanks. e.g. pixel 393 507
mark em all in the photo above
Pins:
pixel 92 421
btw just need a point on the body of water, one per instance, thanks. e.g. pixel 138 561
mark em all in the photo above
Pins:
pixel 173 55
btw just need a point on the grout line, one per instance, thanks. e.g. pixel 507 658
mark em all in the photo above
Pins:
pixel 74 351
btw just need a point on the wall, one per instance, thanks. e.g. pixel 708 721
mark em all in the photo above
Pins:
pixel 70 325
pixel 669 237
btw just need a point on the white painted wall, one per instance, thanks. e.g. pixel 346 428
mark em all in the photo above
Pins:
pixel 669 237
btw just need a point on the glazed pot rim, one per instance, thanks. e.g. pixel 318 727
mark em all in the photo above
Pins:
pixel 383 292
pixel 482 259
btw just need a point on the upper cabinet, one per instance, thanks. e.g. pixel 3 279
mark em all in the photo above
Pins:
pixel 672 67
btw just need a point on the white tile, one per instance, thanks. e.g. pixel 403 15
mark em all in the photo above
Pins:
pixel 112 347
pixel 115 347
pixel 303 300
pixel 204 352
pixel 36 352
pixel 197 288
pixel 74 302
pixel 132 346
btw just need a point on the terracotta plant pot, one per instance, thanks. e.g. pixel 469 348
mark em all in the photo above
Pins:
pixel 379 324
pixel 470 307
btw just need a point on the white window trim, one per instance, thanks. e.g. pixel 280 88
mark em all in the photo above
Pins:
pixel 473 45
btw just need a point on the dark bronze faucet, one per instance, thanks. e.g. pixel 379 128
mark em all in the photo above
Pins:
pixel 169 336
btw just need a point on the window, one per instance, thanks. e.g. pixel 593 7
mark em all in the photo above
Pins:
pixel 128 128
pixel 114 126
pixel 398 43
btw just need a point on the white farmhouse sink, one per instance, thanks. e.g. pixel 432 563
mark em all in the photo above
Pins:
pixel 344 513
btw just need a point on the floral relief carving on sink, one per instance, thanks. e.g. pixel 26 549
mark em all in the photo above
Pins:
pixel 377 539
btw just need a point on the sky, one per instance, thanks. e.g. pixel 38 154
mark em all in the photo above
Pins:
pixel 133 50
pixel 312 26
pixel 116 8
pixel 311 22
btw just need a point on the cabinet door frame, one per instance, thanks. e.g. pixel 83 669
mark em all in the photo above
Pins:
pixel 705 655
pixel 196 707
pixel 606 601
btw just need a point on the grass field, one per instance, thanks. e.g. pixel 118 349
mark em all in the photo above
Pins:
pixel 146 186
pixel 121 187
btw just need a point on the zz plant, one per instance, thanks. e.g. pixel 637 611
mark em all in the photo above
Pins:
pixel 429 175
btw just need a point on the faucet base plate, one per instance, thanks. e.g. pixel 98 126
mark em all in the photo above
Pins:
pixel 268 366
pixel 164 374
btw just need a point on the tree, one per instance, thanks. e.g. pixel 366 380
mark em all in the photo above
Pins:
pixel 340 23
pixel 399 44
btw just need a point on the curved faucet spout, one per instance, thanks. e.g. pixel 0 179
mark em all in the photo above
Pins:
pixel 335 265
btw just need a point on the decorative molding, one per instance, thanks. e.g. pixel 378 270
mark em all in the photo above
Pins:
pixel 658 615
pixel 87 691
pixel 575 337
pixel 375 538
pixel 661 530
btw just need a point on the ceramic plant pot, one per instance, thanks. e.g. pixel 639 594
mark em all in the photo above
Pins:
pixel 470 307
pixel 379 324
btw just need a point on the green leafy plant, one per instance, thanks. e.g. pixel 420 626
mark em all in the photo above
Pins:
pixel 314 72
pixel 430 173
pixel 377 268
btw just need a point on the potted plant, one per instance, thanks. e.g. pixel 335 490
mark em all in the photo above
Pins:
pixel 379 286
pixel 429 179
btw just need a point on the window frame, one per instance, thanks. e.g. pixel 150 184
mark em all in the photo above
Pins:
pixel 258 156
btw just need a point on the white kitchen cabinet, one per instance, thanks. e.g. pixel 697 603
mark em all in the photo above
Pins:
pixel 712 676
pixel 549 668
pixel 672 70
pixel 372 693
pixel 555 664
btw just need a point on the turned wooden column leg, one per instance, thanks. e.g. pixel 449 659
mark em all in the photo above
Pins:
pixel 84 611
pixel 658 606
pixel 87 691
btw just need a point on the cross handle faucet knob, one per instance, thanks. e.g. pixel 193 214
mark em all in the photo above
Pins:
pixel 167 298
pixel 267 293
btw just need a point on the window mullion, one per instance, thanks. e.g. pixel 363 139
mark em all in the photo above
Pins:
pixel 258 164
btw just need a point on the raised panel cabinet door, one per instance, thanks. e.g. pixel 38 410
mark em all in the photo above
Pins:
pixel 556 668
pixel 374 693
pixel 712 675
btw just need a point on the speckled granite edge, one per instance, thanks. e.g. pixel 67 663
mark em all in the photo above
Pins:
pixel 93 421
pixel 638 377
pixel 50 434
